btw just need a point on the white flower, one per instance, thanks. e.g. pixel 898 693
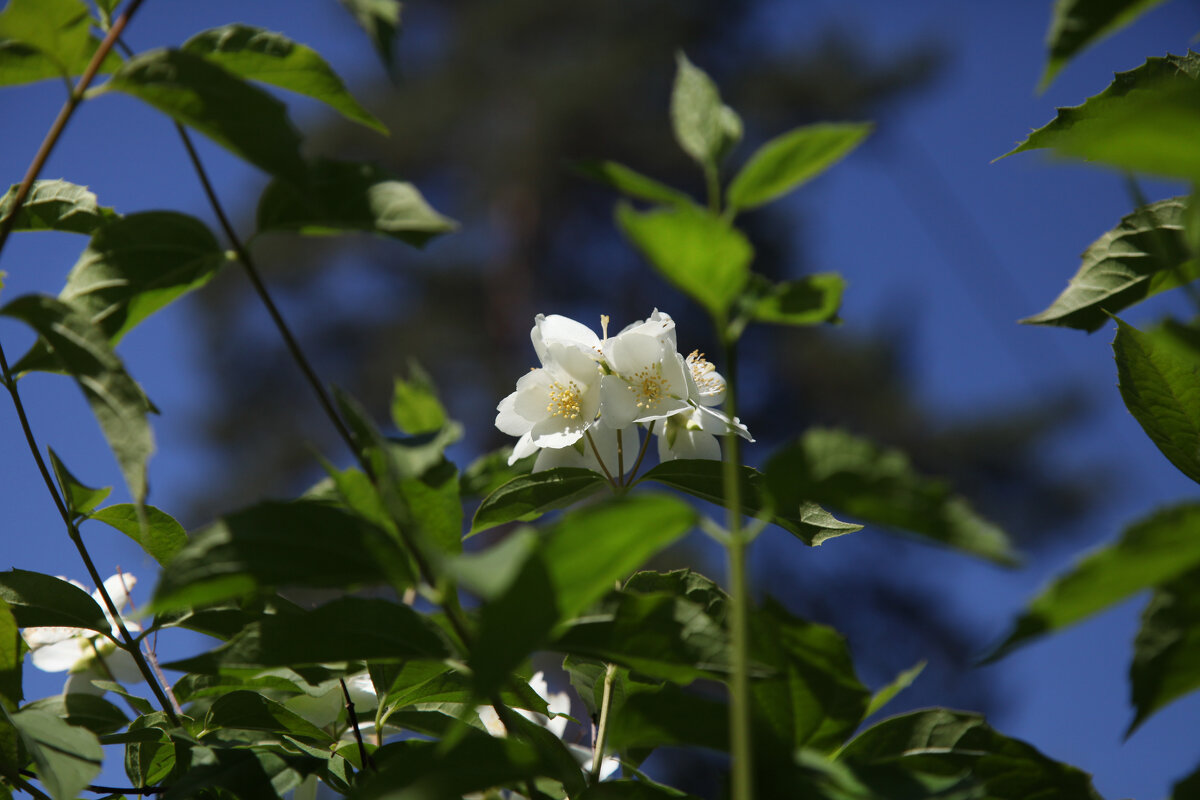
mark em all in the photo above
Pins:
pixel 707 385
pixel 648 380
pixel 560 330
pixel 694 434
pixel 582 455
pixel 84 653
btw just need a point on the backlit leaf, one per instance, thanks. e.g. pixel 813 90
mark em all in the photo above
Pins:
pixel 631 183
pixel 901 682
pixel 1150 553
pixel 272 58
pixel 1166 652
pixel 1078 24
pixel 246 710
pixel 788 161
pixel 855 477
pixel 1159 373
pixel 85 710
pixel 11 653
pixel 1144 255
pixel 415 405
pixel 344 196
pixel 38 600
pixel 527 497
pixel 47 39
pixel 67 757
pixel 80 499
pixel 57 206
pixel 811 300
pixel 698 252
pixel 705 128
pixel 245 120
pixel 381 21
pixel 162 536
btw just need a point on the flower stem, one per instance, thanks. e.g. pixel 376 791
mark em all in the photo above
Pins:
pixel 641 453
pixel 610 675
pixel 599 460
pixel 620 458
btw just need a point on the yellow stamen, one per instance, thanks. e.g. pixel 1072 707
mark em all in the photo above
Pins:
pixel 564 401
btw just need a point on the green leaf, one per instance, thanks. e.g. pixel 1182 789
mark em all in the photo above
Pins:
pixel 80 499
pixel 490 471
pixel 1078 24
pixel 47 39
pixel 631 183
pixel 1150 553
pixel 415 405
pixel 705 479
pixel 302 543
pixel 85 710
pixel 901 682
pixel 162 536
pixel 272 58
pixel 434 506
pixel 245 710
pixel 242 773
pixel 346 629
pixel 381 21
pixel 811 300
pixel 1144 121
pixel 38 600
pixel 1161 388
pixel 705 128
pixel 948 742
pixel 151 757
pixel 1166 652
pixel 633 790
pixel 788 161
pixel 1145 254
pixel 117 401
pixel 194 685
pixel 344 196
pixel 1187 787
pixel 852 476
pixel 67 757
pixel 527 497
pixel 668 716
pixel 193 91
pixel 11 653
pixel 56 206
pixel 698 252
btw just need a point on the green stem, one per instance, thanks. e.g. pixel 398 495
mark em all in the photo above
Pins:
pixel 641 453
pixel 620 458
pixel 610 675
pixel 599 460
pixel 739 622
pixel 712 183
pixel 367 762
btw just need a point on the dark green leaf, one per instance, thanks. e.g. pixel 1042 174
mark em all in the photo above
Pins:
pixel 344 196
pixel 788 161
pixel 80 499
pixel 272 58
pixel 151 756
pixel 139 704
pixel 381 21
pixel 193 91
pixel 83 351
pixel 245 710
pixel 705 479
pixel 1150 553
pixel 1144 255
pixel 1144 121
pixel 1166 652
pixel 527 497
pixel 1078 24
pixel 633 790
pixel 194 685
pixel 705 128
pixel 246 774
pixel 1159 381
pixel 901 682
pixel 38 600
pixel 1187 788
pixel 852 476
pixel 56 206
pixel 419 683
pixel 558 762
pixel 490 471
pixel 162 537
pixel 346 629
pixel 67 757
pixel 631 184
pixel 669 716
pixel 947 742
pixel 434 506
pixel 304 543
pixel 85 710
pixel 11 657
pixel 695 250
pixel 415 405
pixel 808 301
pixel 47 39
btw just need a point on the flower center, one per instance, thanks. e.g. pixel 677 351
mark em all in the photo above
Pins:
pixel 564 401
pixel 702 373
pixel 649 386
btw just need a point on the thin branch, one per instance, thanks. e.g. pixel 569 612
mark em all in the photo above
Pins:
pixel 364 756
pixel 610 675
pixel 599 460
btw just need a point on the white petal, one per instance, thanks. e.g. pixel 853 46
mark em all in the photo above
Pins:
pixel 522 448
pixel 62 655
pixel 118 587
pixel 508 420
pixel 321 710
pixel 491 721
pixel 45 636
pixel 122 666
pixel 362 691
pixel 618 406
pixel 557 329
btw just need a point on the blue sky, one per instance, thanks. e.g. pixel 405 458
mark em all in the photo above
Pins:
pixel 920 218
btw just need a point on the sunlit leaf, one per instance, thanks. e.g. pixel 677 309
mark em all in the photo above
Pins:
pixel 42 39
pixel 161 538
pixel 1078 24
pixel 246 710
pixel 272 58
pixel 151 756
pixel 1143 121
pixel 380 19
pixel 38 600
pixel 949 742
pixel 1150 553
pixel 811 300
pixel 631 183
pixel 303 543
pixel 244 119
pixel 415 405
pixel 789 161
pixel 434 506
pixel 705 128
pixel 901 682
pixel 82 350
pixel 1159 372
pixel 11 653
pixel 55 205
pixel 344 196
pixel 705 479
pixel 696 251
pixel 85 710
pixel 1144 255
pixel 855 477
pixel 1166 652
pixel 67 757
pixel 527 497
pixel 80 499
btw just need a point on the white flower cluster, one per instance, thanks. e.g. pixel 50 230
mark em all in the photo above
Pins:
pixel 592 390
